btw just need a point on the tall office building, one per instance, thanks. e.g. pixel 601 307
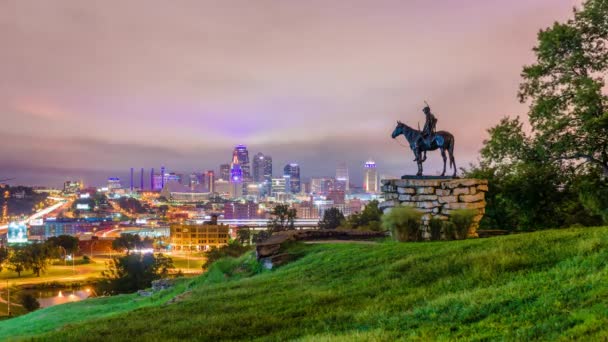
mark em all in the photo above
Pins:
pixel 236 177
pixel 293 171
pixel 225 172
pixel 370 177
pixel 210 180
pixel 262 172
pixel 114 183
pixel 342 179
pixel 243 157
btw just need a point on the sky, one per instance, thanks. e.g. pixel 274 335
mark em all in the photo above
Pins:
pixel 89 89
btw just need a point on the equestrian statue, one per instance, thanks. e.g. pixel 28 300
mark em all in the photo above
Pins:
pixel 427 140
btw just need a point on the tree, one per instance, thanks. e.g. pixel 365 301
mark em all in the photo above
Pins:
pixel 565 88
pixel 243 235
pixel 332 218
pixel 29 302
pixel 18 260
pixel 4 254
pixel 67 242
pixel 557 174
pixel 127 242
pixel 132 272
pixel 37 257
pixel 369 218
pixel 282 218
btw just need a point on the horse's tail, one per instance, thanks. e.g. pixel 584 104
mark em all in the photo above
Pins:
pixel 451 153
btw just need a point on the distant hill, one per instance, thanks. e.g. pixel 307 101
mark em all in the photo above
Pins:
pixel 538 286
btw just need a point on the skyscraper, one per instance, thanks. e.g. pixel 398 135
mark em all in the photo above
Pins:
pixel 293 171
pixel 262 172
pixel 236 177
pixel 210 180
pixel 225 172
pixel 243 157
pixel 370 177
pixel 342 179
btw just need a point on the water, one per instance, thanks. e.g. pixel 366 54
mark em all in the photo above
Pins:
pixel 51 297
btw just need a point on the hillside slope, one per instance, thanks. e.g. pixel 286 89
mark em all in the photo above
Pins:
pixel 545 285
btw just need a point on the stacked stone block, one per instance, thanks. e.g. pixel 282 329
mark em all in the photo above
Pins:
pixel 436 198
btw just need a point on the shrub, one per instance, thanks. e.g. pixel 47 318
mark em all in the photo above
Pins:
pixel 403 223
pixel 435 225
pixel 233 249
pixel 449 230
pixel 462 220
pixel 29 302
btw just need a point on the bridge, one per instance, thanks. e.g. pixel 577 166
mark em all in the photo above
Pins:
pixel 263 223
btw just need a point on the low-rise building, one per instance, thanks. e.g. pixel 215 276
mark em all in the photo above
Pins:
pixel 198 237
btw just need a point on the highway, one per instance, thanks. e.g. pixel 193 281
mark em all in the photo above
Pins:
pixel 38 214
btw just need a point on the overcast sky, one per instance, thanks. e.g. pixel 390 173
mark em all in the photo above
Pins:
pixel 89 89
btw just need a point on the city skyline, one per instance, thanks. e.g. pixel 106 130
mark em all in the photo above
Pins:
pixel 89 93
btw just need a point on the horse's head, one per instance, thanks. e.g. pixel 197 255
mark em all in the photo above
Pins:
pixel 398 129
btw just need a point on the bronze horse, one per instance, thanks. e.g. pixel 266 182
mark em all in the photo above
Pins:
pixel 442 140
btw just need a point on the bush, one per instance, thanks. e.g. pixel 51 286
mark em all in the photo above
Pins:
pixel 29 302
pixel 435 225
pixel 462 220
pixel 233 249
pixel 403 223
pixel 86 259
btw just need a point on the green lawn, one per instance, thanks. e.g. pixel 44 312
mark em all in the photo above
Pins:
pixel 547 285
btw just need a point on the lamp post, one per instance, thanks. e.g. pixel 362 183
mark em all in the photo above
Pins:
pixel 8 299
pixel 65 255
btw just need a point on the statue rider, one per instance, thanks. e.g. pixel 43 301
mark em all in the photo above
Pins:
pixel 428 132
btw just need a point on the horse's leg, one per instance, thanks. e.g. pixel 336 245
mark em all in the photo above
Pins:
pixel 452 160
pixel 444 159
pixel 424 158
pixel 419 164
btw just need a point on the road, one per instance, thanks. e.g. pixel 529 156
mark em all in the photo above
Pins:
pixel 38 214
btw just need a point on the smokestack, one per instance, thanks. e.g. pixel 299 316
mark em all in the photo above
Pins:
pixel 131 179
pixel 152 179
pixel 141 179
pixel 162 177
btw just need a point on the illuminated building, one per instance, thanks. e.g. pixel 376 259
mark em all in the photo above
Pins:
pixel 370 177
pixel 293 171
pixel 194 180
pixel 225 172
pixel 342 178
pixel 336 196
pixel 241 211
pixel 72 187
pixel 160 180
pixel 177 192
pixel 236 177
pixel 306 210
pixel 321 186
pixel 222 187
pixel 278 185
pixel 262 172
pixel 114 184
pixel 198 237
pixel 243 157
pixel 210 181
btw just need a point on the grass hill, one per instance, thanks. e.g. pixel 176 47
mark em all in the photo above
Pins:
pixel 547 285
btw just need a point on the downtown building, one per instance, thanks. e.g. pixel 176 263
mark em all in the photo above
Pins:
pixel 262 173
pixel 292 171
pixel 370 177
pixel 342 178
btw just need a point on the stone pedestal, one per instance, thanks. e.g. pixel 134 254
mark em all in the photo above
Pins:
pixel 436 197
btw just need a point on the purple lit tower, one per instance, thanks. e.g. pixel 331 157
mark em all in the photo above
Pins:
pixel 152 179
pixel 236 177
pixel 162 177
pixel 131 185
pixel 236 173
pixel 141 179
